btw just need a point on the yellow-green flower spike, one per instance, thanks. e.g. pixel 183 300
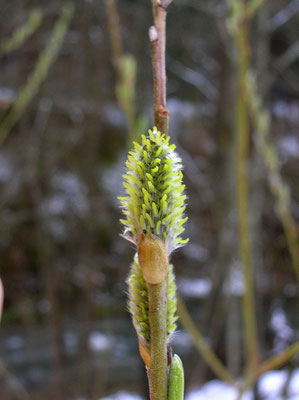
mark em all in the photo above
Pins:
pixel 138 301
pixel 155 193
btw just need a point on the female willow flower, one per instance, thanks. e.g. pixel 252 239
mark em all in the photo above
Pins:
pixel 139 304
pixel 154 217
pixel 155 200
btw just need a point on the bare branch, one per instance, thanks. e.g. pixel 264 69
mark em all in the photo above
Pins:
pixel 157 39
pixel 288 57
pixel 284 15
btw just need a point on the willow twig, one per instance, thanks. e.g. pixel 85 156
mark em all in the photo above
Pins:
pixel 114 32
pixel 125 67
pixel 22 33
pixel 242 187
pixel 44 62
pixel 158 40
pixel 280 191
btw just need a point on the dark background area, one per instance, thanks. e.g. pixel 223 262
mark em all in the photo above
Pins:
pixel 65 330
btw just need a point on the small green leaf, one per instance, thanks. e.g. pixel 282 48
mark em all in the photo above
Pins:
pixel 176 379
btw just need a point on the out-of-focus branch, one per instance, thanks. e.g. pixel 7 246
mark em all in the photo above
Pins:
pixel 194 78
pixel 44 62
pixel 114 32
pixel 15 388
pixel 158 40
pixel 241 36
pixel 284 15
pixel 272 363
pixel 287 58
pixel 1 298
pixel 126 69
pixel 278 360
pixel 261 121
pixel 22 33
pixel 253 6
pixel 206 352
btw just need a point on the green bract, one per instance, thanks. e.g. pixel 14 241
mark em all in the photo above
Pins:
pixel 155 201
pixel 138 301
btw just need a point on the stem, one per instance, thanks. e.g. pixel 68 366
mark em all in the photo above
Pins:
pixel 157 373
pixel 208 355
pixel 157 40
pixel 261 123
pixel 242 150
pixel 22 33
pixel 1 298
pixel 125 67
pixel 290 231
pixel 114 32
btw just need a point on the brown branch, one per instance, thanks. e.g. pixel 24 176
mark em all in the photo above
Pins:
pixel 157 40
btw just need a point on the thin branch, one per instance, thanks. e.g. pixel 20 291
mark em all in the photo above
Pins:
pixel 157 40
pixel 284 15
pixel 44 62
pixel 1 298
pixel 157 291
pixel 253 6
pixel 194 78
pixel 16 389
pixel 288 57
pixel 125 66
pixel 242 188
pixel 114 32
pixel 278 360
pixel 206 352
pixel 22 33
pixel 272 363
pixel 280 191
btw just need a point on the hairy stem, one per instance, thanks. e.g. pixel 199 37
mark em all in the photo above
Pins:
pixel 157 373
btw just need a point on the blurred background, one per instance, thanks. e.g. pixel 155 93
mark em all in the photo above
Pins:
pixel 68 113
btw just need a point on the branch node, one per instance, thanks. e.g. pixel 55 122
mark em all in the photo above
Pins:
pixel 153 34
pixel 163 3
pixel 164 112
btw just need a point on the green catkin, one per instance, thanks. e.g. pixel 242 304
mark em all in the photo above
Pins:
pixel 153 209
pixel 138 301
pixel 155 193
